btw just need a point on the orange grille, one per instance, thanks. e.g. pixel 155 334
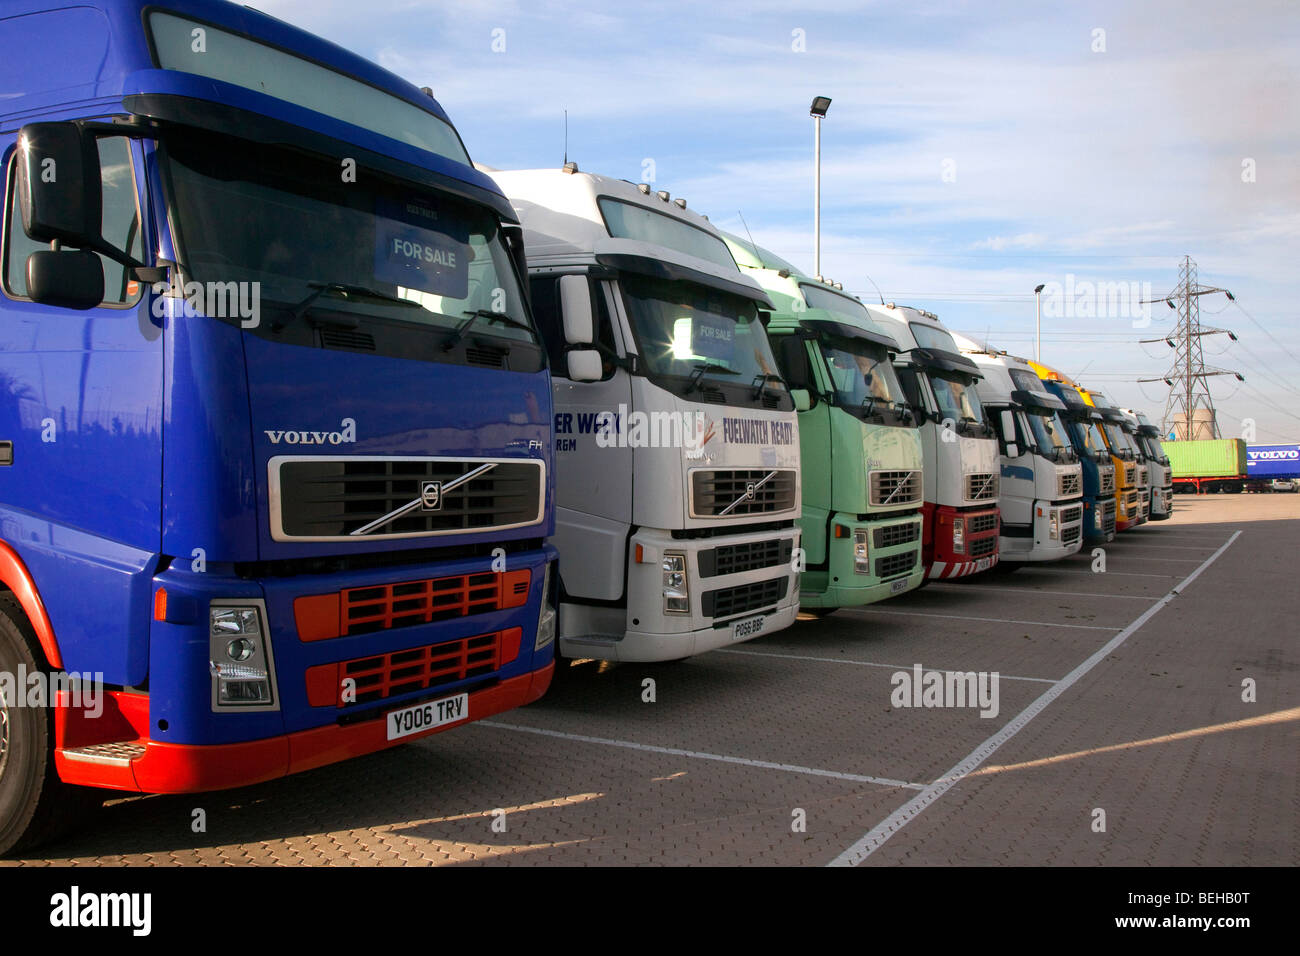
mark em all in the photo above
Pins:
pixel 385 606
pixel 373 678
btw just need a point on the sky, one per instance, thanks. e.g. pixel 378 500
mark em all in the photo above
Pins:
pixel 971 152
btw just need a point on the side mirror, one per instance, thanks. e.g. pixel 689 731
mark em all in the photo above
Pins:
pixel 57 180
pixel 72 279
pixel 1012 450
pixel 575 305
pixel 584 365
pixel 802 399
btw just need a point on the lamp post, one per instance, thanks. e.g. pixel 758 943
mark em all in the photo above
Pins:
pixel 1038 322
pixel 820 105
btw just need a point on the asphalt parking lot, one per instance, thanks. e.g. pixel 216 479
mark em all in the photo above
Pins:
pixel 1121 737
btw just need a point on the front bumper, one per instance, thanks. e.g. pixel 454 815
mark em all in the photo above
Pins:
pixel 895 568
pixel 980 547
pixel 645 631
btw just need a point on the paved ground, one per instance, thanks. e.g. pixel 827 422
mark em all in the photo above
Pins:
pixel 1114 699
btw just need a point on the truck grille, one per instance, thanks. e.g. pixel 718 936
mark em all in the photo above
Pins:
pixel 419 668
pixel 1071 534
pixel 734 558
pixel 895 487
pixel 981 523
pixel 739 492
pixel 1131 502
pixel 981 487
pixel 348 498
pixel 1069 485
pixel 1071 515
pixel 894 535
pixel 727 602
pixel 982 546
pixel 1108 482
pixel 1108 516
pixel 383 607
pixel 895 564
pixel 1144 478
pixel 1130 474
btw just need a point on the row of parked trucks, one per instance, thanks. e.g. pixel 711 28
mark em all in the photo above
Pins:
pixel 300 408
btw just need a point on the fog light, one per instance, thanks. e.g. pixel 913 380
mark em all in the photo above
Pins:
pixel 861 554
pixel 959 535
pixel 677 598
pixel 1054 525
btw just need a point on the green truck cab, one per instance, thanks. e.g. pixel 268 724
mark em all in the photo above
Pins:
pixel 861 456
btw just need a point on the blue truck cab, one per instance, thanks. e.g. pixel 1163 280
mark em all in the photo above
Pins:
pixel 275 422
pixel 1083 423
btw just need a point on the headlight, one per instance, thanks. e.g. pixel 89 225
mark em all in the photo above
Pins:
pixel 861 554
pixel 959 535
pixel 1097 516
pixel 1054 524
pixel 677 595
pixel 239 658
pixel 546 616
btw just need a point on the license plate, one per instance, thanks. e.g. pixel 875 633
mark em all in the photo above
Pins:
pixel 983 564
pixel 421 717
pixel 898 586
pixel 749 627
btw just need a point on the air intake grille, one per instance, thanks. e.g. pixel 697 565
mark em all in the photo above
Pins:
pixel 1069 485
pixel 728 602
pixel 1071 534
pixel 1108 482
pixel 735 558
pixel 740 492
pixel 1069 515
pixel 895 487
pixel 895 564
pixel 894 535
pixel 982 546
pixel 367 679
pixel 980 523
pixel 981 487
pixel 349 497
pixel 347 339
pixel 1143 477
pixel 1130 474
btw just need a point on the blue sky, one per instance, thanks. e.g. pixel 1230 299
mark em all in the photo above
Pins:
pixel 971 152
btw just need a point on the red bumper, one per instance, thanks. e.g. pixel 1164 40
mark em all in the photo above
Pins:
pixel 941 560
pixel 190 768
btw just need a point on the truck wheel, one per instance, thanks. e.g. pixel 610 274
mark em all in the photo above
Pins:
pixel 35 805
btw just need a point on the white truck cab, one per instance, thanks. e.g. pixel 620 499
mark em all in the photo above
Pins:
pixel 1160 490
pixel 1042 481
pixel 677 448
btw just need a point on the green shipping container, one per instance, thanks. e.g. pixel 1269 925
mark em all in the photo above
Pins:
pixel 1219 457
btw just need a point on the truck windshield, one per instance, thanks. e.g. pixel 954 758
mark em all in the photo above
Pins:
pixel 1092 438
pixel 863 378
pixel 958 401
pixel 1050 435
pixel 1118 438
pixel 290 222
pixel 700 342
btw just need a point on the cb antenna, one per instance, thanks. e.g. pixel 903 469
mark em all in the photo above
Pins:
pixel 752 243
pixel 566 137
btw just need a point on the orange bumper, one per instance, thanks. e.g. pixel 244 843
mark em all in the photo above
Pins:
pixel 191 768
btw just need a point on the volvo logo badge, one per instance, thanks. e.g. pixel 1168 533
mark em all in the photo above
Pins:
pixel 431 496
pixel 749 490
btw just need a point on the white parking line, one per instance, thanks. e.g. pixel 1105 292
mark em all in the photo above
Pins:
pixel 699 755
pixel 991 620
pixel 879 834
pixel 1123 574
pixel 1168 547
pixel 840 660
pixel 975 587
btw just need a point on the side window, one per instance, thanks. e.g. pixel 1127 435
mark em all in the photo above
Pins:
pixel 121 226
pixel 545 292
pixel 792 358
pixel 911 386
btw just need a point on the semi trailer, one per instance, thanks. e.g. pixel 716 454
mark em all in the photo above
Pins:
pixel 1208 465
pixel 677 445
pixel 1041 498
pixel 960 454
pixel 860 446
pixel 275 431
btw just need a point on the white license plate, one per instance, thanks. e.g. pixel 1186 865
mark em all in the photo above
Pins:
pixel 749 627
pixel 426 716
pixel 983 564
pixel 898 586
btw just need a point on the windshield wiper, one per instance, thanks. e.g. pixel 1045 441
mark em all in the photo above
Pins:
pixel 342 288
pixel 698 374
pixel 760 383
pixel 474 316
